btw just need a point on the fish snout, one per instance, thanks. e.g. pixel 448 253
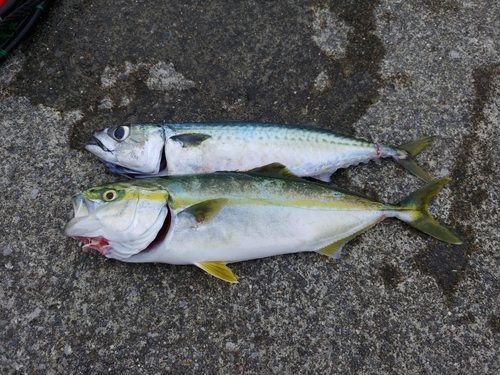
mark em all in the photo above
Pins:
pixel 103 146
pixel 80 205
pixel 83 208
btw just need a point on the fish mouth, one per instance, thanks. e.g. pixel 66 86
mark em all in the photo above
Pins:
pixel 100 144
pixel 97 146
pixel 99 149
pixel 84 208
pixel 89 232
pixel 103 247
pixel 97 243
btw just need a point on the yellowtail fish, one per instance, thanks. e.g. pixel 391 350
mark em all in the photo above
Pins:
pixel 214 219
pixel 193 148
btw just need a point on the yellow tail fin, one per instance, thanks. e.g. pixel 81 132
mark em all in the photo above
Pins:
pixel 412 149
pixel 413 210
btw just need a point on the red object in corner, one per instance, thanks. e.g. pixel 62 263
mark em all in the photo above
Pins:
pixel 2 2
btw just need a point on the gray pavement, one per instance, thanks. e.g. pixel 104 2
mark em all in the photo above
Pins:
pixel 397 302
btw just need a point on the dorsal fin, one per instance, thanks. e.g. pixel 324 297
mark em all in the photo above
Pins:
pixel 219 270
pixel 273 169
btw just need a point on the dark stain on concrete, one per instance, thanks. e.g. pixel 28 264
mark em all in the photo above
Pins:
pixel 448 263
pixel 390 275
pixel 495 323
pixel 466 319
pixel 356 75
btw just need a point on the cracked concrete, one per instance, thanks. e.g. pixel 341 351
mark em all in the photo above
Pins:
pixel 390 71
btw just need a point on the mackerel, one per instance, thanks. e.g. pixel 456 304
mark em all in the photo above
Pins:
pixel 145 150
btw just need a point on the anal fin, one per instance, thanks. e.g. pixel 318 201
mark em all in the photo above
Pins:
pixel 334 250
pixel 219 270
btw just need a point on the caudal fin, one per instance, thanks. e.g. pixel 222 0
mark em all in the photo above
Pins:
pixel 413 210
pixel 413 149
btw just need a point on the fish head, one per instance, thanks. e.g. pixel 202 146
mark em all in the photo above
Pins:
pixel 131 150
pixel 120 220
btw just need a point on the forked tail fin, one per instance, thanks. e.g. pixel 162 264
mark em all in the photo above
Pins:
pixel 411 150
pixel 413 210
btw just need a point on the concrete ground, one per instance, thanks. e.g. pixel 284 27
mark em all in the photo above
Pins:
pixel 397 302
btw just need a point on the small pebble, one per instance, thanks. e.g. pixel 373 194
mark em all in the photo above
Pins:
pixel 34 193
pixel 35 314
pixel 6 251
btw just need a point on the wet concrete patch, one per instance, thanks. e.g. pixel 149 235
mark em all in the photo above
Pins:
pixel 354 74
pixel 495 324
pixel 253 54
pixel 448 263
pixel 391 276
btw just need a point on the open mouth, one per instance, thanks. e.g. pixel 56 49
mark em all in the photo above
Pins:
pixel 107 247
pixel 97 243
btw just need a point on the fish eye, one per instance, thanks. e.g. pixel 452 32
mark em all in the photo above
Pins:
pixel 109 195
pixel 119 133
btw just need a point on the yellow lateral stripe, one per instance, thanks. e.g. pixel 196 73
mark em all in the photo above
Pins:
pixel 178 202
pixel 154 196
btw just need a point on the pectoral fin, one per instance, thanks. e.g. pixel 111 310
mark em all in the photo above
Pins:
pixel 273 169
pixel 334 250
pixel 190 139
pixel 205 211
pixel 219 270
